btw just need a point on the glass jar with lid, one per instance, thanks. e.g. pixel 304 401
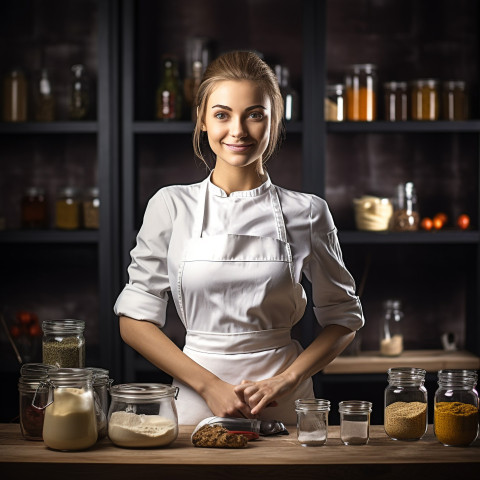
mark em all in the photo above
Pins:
pixel 335 103
pixel 15 96
pixel 69 422
pixel 405 216
pixel 424 99
pixel 391 337
pixel 395 98
pixel 67 209
pixel 355 421
pixel 361 85
pixel 101 387
pixel 142 415
pixel 456 407
pixel 406 404
pixel 454 100
pixel 34 208
pixel 91 208
pixel 32 381
pixel 312 421
pixel 63 343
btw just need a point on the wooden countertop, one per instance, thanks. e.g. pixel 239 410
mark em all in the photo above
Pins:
pixel 274 457
pixel 430 360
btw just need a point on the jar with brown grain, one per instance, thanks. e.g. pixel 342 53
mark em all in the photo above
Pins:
pixel 63 343
pixel 406 402
pixel 456 417
pixel 395 98
pixel 425 99
pixel 406 217
pixel 454 100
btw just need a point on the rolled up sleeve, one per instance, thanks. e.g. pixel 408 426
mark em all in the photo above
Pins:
pixel 333 288
pixel 145 296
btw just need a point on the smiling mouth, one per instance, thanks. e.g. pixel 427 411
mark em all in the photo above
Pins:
pixel 238 147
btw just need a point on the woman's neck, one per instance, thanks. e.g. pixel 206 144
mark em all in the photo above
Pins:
pixel 235 179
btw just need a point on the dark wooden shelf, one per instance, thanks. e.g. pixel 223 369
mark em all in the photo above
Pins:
pixel 404 127
pixel 49 236
pixel 442 237
pixel 49 127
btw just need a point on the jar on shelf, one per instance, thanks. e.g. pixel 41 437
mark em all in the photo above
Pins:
pixel 169 97
pixel 101 388
pixel 405 216
pixel 406 403
pixel 142 415
pixel 34 208
pixel 424 99
pixel 91 209
pixel 32 382
pixel 69 422
pixel 391 337
pixel 291 102
pixel 335 103
pixel 44 99
pixel 355 421
pixel 67 209
pixel 454 100
pixel 15 96
pixel 396 101
pixel 456 407
pixel 312 421
pixel 63 343
pixel 361 85
pixel 79 94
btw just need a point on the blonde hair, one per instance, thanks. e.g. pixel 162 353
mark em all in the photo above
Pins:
pixel 239 65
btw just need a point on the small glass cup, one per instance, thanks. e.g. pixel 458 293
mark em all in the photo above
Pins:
pixel 354 421
pixel 312 421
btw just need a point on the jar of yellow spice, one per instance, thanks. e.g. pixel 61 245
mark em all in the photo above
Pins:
pixel 456 407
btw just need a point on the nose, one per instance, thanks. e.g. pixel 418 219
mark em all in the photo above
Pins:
pixel 238 129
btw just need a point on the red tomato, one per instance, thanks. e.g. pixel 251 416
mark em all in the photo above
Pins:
pixel 439 220
pixel 426 223
pixel 15 331
pixel 463 221
pixel 35 330
pixel 25 318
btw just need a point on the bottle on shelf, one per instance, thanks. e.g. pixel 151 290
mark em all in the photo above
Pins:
pixel 291 104
pixel 391 337
pixel 44 99
pixel 190 88
pixel 15 96
pixel 67 209
pixel 34 208
pixel 406 217
pixel 79 95
pixel 454 100
pixel 395 96
pixel 425 104
pixel 169 98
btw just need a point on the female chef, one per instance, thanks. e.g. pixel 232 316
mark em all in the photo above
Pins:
pixel 232 250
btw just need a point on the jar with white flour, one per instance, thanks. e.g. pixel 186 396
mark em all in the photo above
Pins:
pixel 142 415
pixel 69 422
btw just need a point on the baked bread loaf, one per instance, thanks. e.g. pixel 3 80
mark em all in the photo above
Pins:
pixel 216 436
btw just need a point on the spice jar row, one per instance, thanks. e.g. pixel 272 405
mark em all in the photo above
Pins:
pixel 421 99
pixel 456 404
pixel 37 99
pixel 73 209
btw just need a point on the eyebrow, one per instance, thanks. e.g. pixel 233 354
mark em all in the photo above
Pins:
pixel 253 107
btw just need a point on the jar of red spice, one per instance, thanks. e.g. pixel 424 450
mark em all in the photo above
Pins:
pixel 31 384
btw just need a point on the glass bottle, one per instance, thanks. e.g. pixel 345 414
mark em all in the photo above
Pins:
pixel 91 208
pixel 406 403
pixel 361 84
pixel 456 407
pixel 395 97
pixel 101 387
pixel 69 422
pixel 312 421
pixel 190 88
pixel 32 382
pixel 67 209
pixel 169 100
pixel 34 208
pixel 424 101
pixel 354 421
pixel 335 103
pixel 63 343
pixel 44 100
pixel 142 415
pixel 79 95
pixel 391 338
pixel 454 101
pixel 406 216
pixel 291 104
pixel 15 96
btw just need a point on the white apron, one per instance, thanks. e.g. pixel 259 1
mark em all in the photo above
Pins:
pixel 238 300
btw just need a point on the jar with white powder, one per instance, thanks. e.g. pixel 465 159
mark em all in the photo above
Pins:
pixel 142 415
pixel 69 422
pixel 354 421
pixel 312 421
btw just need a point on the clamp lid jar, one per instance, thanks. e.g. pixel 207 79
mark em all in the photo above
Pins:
pixel 101 387
pixel 456 406
pixel 143 415
pixel 406 404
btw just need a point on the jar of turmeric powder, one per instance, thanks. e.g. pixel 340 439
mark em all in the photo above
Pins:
pixel 361 83
pixel 456 407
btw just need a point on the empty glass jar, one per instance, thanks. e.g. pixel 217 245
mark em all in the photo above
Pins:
pixel 312 421
pixel 355 421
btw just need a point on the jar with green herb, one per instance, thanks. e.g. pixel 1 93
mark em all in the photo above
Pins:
pixel 63 343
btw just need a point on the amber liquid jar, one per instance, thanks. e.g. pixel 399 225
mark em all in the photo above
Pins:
pixel 424 101
pixel 67 209
pixel 361 86
pixel 15 97
pixel 395 97
pixel 454 101
pixel 34 208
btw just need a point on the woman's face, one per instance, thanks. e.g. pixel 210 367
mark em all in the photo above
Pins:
pixel 237 121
